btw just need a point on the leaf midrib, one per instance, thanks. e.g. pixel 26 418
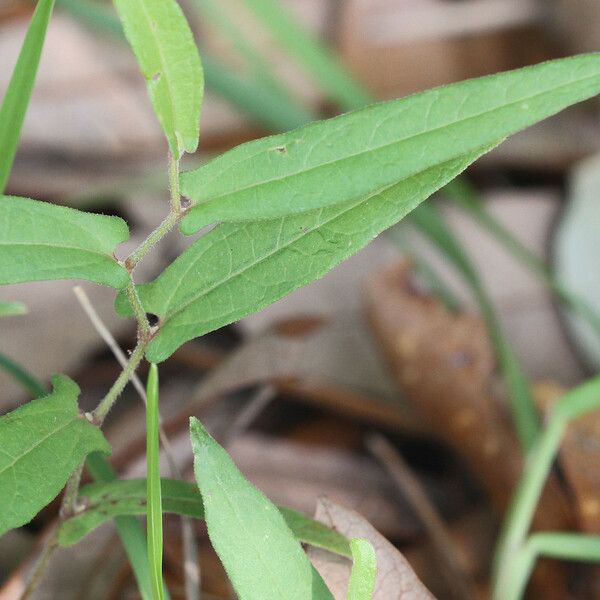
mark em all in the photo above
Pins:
pixel 376 149
pixel 38 443
pixel 164 72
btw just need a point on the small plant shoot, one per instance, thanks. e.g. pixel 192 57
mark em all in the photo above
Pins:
pixel 285 210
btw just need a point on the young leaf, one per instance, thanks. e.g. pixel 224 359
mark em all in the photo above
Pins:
pixel 153 491
pixel 200 291
pixel 107 500
pixel 41 241
pixel 256 547
pixel 130 530
pixel 168 58
pixel 344 158
pixel 41 443
pixel 16 100
pixel 9 309
pixel 364 570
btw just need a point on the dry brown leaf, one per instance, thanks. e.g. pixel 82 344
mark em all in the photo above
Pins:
pixel 444 364
pixel 395 578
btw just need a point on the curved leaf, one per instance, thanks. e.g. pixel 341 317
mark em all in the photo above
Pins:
pixel 41 443
pixel 168 58
pixel 364 570
pixel 16 100
pixel 259 552
pixel 104 501
pixel 266 260
pixel 347 157
pixel 40 241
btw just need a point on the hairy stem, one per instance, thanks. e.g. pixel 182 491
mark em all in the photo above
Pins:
pixel 40 568
pixel 168 223
pixel 138 311
pixel 174 185
pixel 107 402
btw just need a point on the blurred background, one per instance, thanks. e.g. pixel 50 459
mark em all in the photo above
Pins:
pixel 390 361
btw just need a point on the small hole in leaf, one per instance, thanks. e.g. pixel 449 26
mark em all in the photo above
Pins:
pixel 156 76
pixel 281 149
pixel 152 319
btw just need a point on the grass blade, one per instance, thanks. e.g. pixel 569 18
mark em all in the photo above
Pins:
pixel 364 570
pixel 16 100
pixel 432 226
pixel 153 489
pixel 468 199
pixel 317 59
pixel 28 381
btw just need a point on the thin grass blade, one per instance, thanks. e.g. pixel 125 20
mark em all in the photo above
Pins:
pixel 15 103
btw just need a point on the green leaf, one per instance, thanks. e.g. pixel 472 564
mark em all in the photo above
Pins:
pixel 345 158
pixel 364 570
pixel 153 489
pixel 9 309
pixel 41 443
pixel 259 552
pixel 130 530
pixel 16 100
pixel 107 500
pixel 266 260
pixel 168 58
pixel 41 241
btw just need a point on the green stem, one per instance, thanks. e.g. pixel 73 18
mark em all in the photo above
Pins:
pixel 134 258
pixel 174 185
pixel 69 501
pixel 138 311
pixel 523 505
pixel 107 402
pixel 572 405
pixel 566 546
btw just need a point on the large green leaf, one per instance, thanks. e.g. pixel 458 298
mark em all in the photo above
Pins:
pixel 115 499
pixel 265 260
pixel 40 241
pixel 41 443
pixel 258 550
pixel 346 157
pixel 168 58
pixel 16 100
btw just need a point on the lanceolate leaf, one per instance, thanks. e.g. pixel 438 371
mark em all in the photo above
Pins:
pixel 364 570
pixel 40 241
pixel 16 100
pixel 166 52
pixel 266 260
pixel 41 443
pixel 104 501
pixel 259 552
pixel 344 158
